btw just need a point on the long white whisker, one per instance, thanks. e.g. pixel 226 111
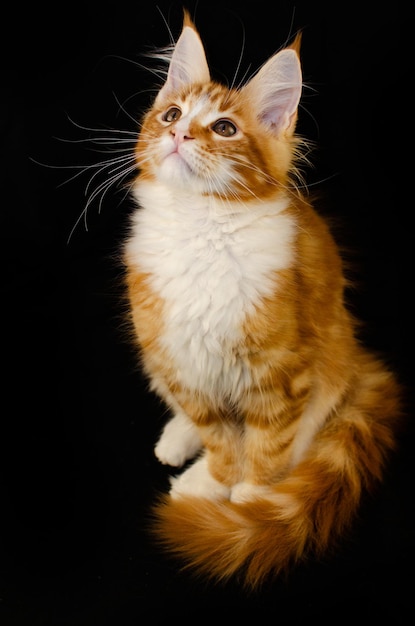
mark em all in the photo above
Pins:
pixel 105 185
pixel 121 106
pixel 99 167
pixel 90 129
pixel 101 190
pixel 104 140
pixel 109 170
pixel 239 60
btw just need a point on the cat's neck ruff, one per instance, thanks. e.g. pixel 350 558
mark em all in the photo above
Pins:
pixel 171 224
pixel 166 201
pixel 211 262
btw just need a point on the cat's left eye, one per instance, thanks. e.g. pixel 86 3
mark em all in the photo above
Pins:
pixel 225 128
pixel 172 114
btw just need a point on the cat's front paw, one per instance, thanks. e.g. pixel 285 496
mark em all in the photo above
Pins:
pixel 178 442
pixel 198 481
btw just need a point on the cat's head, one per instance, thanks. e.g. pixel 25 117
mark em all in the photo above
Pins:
pixel 205 137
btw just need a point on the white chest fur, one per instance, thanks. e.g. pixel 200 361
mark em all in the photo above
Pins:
pixel 211 262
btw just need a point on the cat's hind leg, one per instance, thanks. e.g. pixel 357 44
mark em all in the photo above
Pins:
pixel 178 442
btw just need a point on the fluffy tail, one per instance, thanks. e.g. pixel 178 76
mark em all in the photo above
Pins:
pixel 306 513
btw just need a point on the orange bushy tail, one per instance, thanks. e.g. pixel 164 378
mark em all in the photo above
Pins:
pixel 305 513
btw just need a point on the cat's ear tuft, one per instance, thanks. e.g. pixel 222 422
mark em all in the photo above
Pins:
pixel 188 63
pixel 275 91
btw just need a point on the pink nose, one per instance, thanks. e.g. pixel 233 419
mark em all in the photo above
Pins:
pixel 180 135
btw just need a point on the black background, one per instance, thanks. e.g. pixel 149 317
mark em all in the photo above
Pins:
pixel 78 425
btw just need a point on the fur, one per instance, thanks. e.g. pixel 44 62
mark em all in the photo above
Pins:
pixel 236 297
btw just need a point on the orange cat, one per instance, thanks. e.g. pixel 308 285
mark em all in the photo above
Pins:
pixel 236 292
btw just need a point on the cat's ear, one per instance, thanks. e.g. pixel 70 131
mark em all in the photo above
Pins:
pixel 275 90
pixel 188 63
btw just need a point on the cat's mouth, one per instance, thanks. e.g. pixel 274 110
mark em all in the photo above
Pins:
pixel 176 159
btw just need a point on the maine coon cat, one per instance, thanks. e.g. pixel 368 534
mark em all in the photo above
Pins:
pixel 236 292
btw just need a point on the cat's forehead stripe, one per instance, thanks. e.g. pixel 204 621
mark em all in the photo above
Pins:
pixel 194 107
pixel 210 101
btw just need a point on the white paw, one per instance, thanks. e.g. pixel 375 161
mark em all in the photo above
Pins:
pixel 198 481
pixel 178 442
pixel 246 492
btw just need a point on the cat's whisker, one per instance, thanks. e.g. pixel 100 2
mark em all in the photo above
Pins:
pixel 242 184
pixel 123 109
pixel 115 170
pixel 82 170
pixel 100 192
pixel 102 188
pixel 110 141
pixel 162 54
pixel 172 42
pixel 98 167
pixel 242 160
pixel 238 66
pixel 230 197
pixel 77 222
pixel 97 131
pixel 110 166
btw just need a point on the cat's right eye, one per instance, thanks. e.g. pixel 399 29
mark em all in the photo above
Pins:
pixel 171 115
pixel 226 128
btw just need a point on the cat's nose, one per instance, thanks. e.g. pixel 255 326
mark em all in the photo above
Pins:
pixel 180 135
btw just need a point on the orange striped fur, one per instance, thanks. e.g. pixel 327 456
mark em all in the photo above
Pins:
pixel 236 291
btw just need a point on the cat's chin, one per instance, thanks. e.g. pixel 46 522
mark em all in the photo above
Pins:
pixel 174 165
pixel 175 171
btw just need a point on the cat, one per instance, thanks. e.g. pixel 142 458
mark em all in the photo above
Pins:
pixel 281 420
